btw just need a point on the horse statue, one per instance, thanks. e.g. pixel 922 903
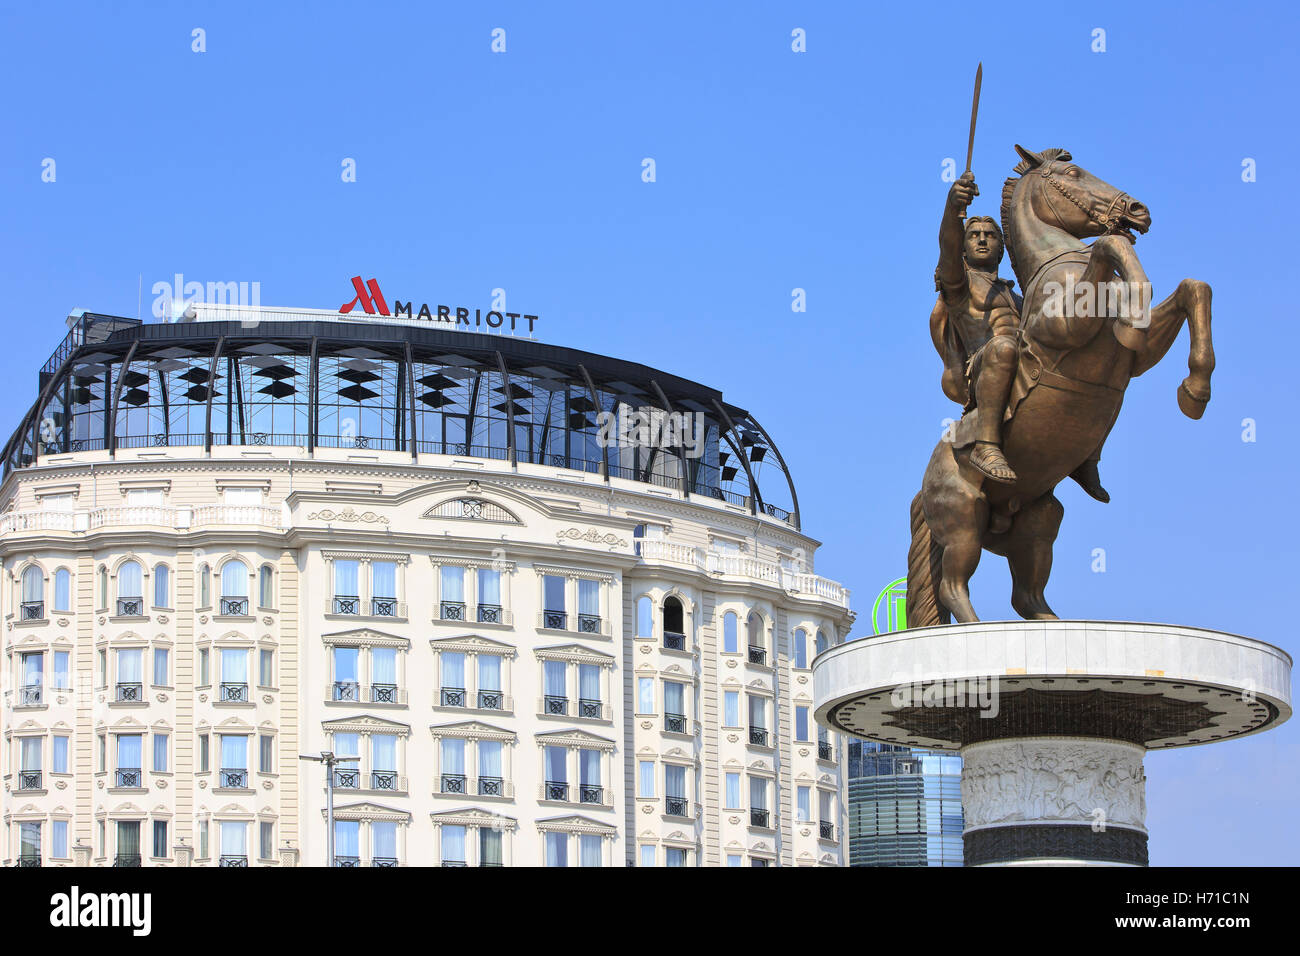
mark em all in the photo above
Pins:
pixel 1086 329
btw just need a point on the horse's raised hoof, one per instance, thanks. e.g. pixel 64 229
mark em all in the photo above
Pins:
pixel 1189 404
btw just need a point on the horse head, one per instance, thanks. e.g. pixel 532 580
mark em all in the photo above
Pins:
pixel 1064 194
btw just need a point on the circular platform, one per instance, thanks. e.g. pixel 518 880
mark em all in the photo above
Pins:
pixel 1152 685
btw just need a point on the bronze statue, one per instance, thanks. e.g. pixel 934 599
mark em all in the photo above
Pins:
pixel 1086 328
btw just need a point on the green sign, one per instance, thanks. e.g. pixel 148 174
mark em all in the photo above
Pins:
pixel 890 610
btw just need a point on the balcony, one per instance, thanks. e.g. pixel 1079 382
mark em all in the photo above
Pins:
pixel 491 700
pixel 589 708
pixel 453 863
pixel 453 697
pixel 347 861
pixel 674 641
pixel 825 751
pixel 675 723
pixel 383 780
pixel 232 859
pixel 758 818
pixel 129 693
pixel 677 806
pixel 555 620
pixel 453 783
pixel 29 860
pixel 384 607
pixel 347 604
pixel 348 778
pixel 383 694
pixel 757 655
pixel 346 690
pixel 234 607
pixel 491 787
pixel 233 692
pixel 556 706
pixel 727 565
pixel 127 859
pixel 826 830
pixel 384 861
pixel 29 780
pixel 30 695
pixel 130 778
pixel 758 736
pixel 556 790
pixel 451 610
pixel 230 779
pixel 591 793
pixel 32 611
pixel 490 614
pixel 130 607
pixel 589 624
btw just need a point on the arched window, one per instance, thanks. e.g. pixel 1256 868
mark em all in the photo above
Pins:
pixel 822 643
pixel 63 590
pixel 645 625
pixel 637 534
pixel 234 588
pixel 674 624
pixel 265 587
pixel 800 647
pixel 33 594
pixel 729 639
pixel 756 632
pixel 130 589
pixel 161 586
pixel 205 586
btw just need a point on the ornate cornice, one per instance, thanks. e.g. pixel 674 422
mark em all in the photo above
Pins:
pixel 575 738
pixel 365 724
pixel 571 572
pixel 576 824
pixel 365 637
pixel 471 644
pixel 473 730
pixel 397 557
pixel 574 654
pixel 474 817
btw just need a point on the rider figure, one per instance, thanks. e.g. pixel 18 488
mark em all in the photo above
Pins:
pixel 979 340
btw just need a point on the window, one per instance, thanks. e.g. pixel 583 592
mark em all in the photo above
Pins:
pixel 803 805
pixel 203 667
pixel 265 840
pixel 453 679
pixel 489 596
pixel 59 758
pixel 733 859
pixel 588 606
pixel 205 586
pixel 489 767
pixel 161 586
pixel 203 839
pixel 234 675
pixel 383 836
pixel 674 624
pixel 160 753
pixel 130 590
pixel 647 856
pixel 757 639
pixel 103 587
pixel 800 647
pixel 144 497
pixel 557 849
pixel 645 778
pixel 383 588
pixel 589 850
pixel 731 708
pixel 645 628
pixel 557 772
pixel 63 595
pixel 675 804
pixel 130 760
pixel 733 791
pixel 347 766
pixel 453 765
pixel 346 673
pixel 266 587
pixel 675 707
pixel 161 666
pixel 59 835
pixel 244 497
pixel 29 842
pixel 453 846
pixel 29 768
pixel 757 719
pixel 234 762
pixel 822 643
pixel 234 837
pixel 33 665
pixel 675 856
pixel 801 723
pixel 265 751
pixel 757 801
pixel 266 667
pixel 160 839
pixel 588 690
pixel 555 690
pixel 203 753
pixel 102 749
pixel 33 606
pixel 452 593
pixel 101 666
pixel 590 780
pixel 554 613
pixel 347 592
pixel 489 682
pixel 383 675
pixel 383 762
pixel 827 818
pixel 729 640
pixel 130 674
pixel 62 678
pixel 234 589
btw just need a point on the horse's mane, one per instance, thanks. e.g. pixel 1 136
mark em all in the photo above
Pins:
pixel 1008 188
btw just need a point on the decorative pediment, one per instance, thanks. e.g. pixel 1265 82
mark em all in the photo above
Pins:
pixel 807 857
pixel 472 644
pixel 370 811
pixel 588 574
pixel 474 817
pixel 758 685
pixel 680 840
pixel 828 859
pixel 234 723
pixel 761 848
pixel 761 766
pixel 826 778
pixel 576 823
pixel 734 845
pixel 473 561
pixel 574 654
pixel 365 637
pixel 677 753
pixel 127 809
pixel 128 722
pixel 365 724
pixel 575 738
pixel 396 557
pixel 474 730
pixel 677 669
pixel 471 507
pixel 734 764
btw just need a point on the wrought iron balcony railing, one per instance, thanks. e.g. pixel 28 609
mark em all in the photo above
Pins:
pixel 347 604
pixel 552 704
pixel 757 655
pixel 29 780
pixel 826 830
pixel 758 736
pixel 591 793
pixel 127 859
pixel 133 693
pixel 491 787
pixel 825 751
pixel 348 778
pixel 453 863
pixel 232 859
pixel 130 607
pixel 453 697
pixel 674 641
pixel 490 614
pixel 234 693
pixel 677 806
pixel 757 818
pixel 28 859
pixel 29 695
pixel 383 607
pixel 383 780
pixel 131 778
pixel 491 700
pixel 383 693
pixel 557 790
pixel 234 606
pixel 555 620
pixel 347 690
pixel 490 863
pixel 33 610
pixel 231 779
pixel 589 623
pixel 589 708
pixel 675 723
pixel 384 861
pixel 453 783
pixel 347 861
pixel 452 610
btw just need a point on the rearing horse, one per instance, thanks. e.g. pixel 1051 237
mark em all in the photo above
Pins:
pixel 1084 335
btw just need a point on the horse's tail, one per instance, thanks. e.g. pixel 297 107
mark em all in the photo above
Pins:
pixel 924 572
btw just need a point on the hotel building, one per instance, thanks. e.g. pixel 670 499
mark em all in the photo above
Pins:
pixel 231 542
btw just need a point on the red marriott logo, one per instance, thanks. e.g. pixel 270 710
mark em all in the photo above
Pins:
pixel 372 301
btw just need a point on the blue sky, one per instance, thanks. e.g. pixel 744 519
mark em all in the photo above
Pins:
pixel 775 170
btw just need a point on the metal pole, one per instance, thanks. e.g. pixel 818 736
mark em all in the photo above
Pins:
pixel 329 808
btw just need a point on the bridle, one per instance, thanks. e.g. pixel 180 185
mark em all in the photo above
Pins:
pixel 1111 219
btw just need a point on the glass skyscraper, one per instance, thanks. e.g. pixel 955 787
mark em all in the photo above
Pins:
pixel 904 806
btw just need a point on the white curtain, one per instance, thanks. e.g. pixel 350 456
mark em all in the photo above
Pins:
pixel 62 590
pixel 345 663
pixel 489 845
pixel 588 597
pixel 345 578
pixel 731 708
pixel 128 752
pixel 557 849
pixel 160 585
pixel 489 672
pixel 348 745
pixel 453 584
pixel 383 665
pixel 800 647
pixel 674 700
pixel 489 586
pixel 589 768
pixel 805 805
pixel 589 682
pixel 757 713
pixel 589 849
pixel 383 752
pixel 31 753
pixel 129 581
pixel 160 752
pixel 555 673
pixel 383 834
pixel 557 763
pixel 646 770
pixel 729 632
pixel 234 665
pixel 453 670
pixel 234 579
pixel 233 839
pixel 453 756
pixel 234 752
pixel 489 758
pixel 675 781
pixel 130 666
pixel 347 838
pixel 757 793
pixel 383 579
pixel 33 584
pixel 453 844
pixel 733 791
pixel 33 669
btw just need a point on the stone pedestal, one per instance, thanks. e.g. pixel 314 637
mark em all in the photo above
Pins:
pixel 1053 719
